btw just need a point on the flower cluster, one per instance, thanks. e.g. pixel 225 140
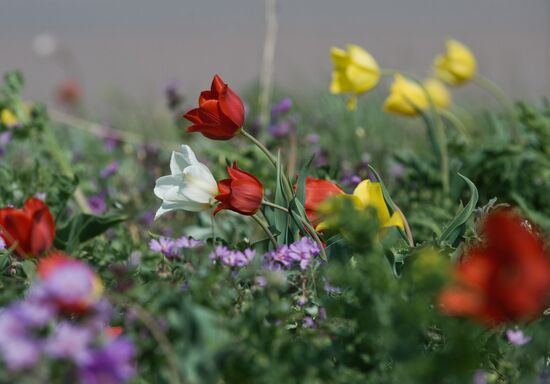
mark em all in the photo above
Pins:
pixel 301 252
pixel 64 318
pixel 232 258
pixel 172 247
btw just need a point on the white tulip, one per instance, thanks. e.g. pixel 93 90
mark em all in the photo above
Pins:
pixel 190 187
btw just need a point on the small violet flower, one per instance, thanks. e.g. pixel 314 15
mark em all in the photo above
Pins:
pixel 517 337
pixel 303 251
pixel 109 170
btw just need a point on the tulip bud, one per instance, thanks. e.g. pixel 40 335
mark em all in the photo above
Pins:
pixel 457 65
pixel 220 114
pixel 241 193
pixel 31 227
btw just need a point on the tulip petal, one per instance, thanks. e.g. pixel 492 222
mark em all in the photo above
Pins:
pixel 181 160
pixel 232 106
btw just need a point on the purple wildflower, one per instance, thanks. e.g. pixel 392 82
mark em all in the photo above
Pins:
pixel 147 218
pixel 283 106
pixel 97 204
pixel 2 243
pixel 308 322
pixel 517 337
pixel 111 364
pixel 70 342
pixel 303 251
pixel 279 129
pixel 164 245
pixel 313 138
pixel 188 242
pixel 111 141
pixel 232 258
pixel 109 170
pixel 71 284
pixel 278 258
pixel 21 353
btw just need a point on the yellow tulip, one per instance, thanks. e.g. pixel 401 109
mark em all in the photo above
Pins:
pixel 406 97
pixel 355 72
pixel 8 119
pixel 367 194
pixel 457 65
pixel 438 92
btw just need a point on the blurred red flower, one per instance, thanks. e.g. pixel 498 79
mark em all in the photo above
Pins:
pixel 241 193
pixel 220 114
pixel 317 191
pixel 69 93
pixel 32 227
pixel 507 278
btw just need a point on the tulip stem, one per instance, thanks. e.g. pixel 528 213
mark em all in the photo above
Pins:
pixel 497 92
pixel 455 121
pixel 269 155
pixel 265 229
pixel 276 206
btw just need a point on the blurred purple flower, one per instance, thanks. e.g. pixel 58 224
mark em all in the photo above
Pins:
pixel 397 170
pixel 34 313
pixel 2 243
pixel 313 139
pixel 109 365
pixel 188 242
pixel 517 337
pixel 70 342
pixel 282 106
pixel 20 353
pixel 5 138
pixel 70 284
pixel 308 322
pixel 303 251
pixel 147 218
pixel 232 258
pixel 109 170
pixel 164 245
pixel 480 377
pixel 97 204
pixel 279 129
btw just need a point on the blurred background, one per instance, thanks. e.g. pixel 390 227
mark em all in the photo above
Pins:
pixel 138 47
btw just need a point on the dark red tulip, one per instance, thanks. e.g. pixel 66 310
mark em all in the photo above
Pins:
pixel 317 191
pixel 241 193
pixel 220 114
pixel 32 227
pixel 506 278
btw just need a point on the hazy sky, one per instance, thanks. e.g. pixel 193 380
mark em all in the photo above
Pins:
pixel 140 45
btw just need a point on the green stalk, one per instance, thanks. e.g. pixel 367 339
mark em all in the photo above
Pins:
pixel 57 154
pixel 499 94
pixel 455 121
pixel 286 184
pixel 265 229
pixel 436 128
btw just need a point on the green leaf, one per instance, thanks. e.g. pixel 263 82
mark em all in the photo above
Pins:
pixel 456 227
pixel 83 227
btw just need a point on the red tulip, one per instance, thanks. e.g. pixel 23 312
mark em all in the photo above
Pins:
pixel 32 227
pixel 220 114
pixel 241 193
pixel 507 278
pixel 317 191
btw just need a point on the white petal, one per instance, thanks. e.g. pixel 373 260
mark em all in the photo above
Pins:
pixel 200 185
pixel 185 206
pixel 170 188
pixel 182 160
